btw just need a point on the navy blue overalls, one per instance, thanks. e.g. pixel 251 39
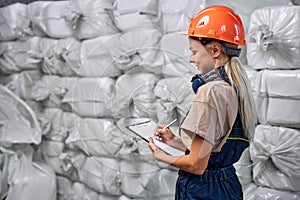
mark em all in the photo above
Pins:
pixel 219 181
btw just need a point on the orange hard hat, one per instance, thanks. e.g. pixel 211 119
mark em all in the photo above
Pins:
pixel 218 22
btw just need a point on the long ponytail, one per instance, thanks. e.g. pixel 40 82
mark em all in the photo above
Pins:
pixel 238 76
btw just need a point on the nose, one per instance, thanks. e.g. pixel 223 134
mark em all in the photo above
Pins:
pixel 192 60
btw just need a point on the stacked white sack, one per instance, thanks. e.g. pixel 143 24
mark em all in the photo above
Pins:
pixel 275 155
pixel 62 19
pixel 58 56
pixel 244 168
pixel 16 56
pixel 138 174
pixel 177 14
pixel 277 98
pixel 25 176
pixel 274 38
pixel 175 50
pixel 21 83
pixel 98 57
pixel 174 97
pixel 18 121
pixel 133 95
pixel 50 90
pixel 139 50
pixel 90 18
pixel 99 137
pixel 91 97
pixel 254 192
pixel 142 14
pixel 14 22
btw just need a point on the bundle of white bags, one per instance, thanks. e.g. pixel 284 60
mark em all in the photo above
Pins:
pixel 15 23
pixel 274 38
pixel 276 94
pixel 276 160
pixel 80 19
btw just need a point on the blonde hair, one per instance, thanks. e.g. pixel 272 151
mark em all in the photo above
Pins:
pixel 238 76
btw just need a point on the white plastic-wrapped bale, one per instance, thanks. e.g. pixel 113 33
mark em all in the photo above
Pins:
pixel 14 22
pixel 25 176
pixel 98 57
pixel 47 18
pixel 91 97
pixel 276 95
pixel 21 83
pixel 51 151
pixel 56 123
pixel 99 137
pixel 174 97
pixel 274 38
pixel 50 90
pixel 244 168
pixel 59 56
pixel 139 178
pixel 18 122
pixel 90 18
pixel 177 14
pixel 100 174
pixel 175 48
pixel 254 192
pixel 80 191
pixel 140 49
pixel 133 95
pixel 18 55
pixel 141 14
pixel 64 188
pixel 276 159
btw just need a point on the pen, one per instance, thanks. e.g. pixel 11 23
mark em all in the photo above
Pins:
pixel 172 122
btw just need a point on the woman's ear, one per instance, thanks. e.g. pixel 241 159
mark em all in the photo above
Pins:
pixel 216 49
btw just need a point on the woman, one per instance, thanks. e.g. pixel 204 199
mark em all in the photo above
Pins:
pixel 222 117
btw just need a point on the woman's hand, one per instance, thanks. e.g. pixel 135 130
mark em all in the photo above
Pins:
pixel 163 134
pixel 157 152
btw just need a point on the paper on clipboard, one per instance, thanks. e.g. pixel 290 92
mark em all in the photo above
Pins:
pixel 146 129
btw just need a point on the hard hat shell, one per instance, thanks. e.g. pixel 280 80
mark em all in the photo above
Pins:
pixel 218 22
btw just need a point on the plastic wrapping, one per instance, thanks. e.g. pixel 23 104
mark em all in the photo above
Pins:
pixel 59 57
pixel 99 137
pixel 177 14
pixel 254 192
pixel 56 124
pixel 274 38
pixel 175 49
pixel 100 174
pixel 25 177
pixel 14 22
pixel 17 55
pixel 140 178
pixel 276 95
pixel 140 52
pixel 90 18
pixel 174 98
pixel 133 95
pixel 64 188
pixel 275 155
pixel 98 57
pixel 18 122
pixel 137 15
pixel 244 168
pixel 51 90
pixel 47 18
pixel 21 83
pixel 91 97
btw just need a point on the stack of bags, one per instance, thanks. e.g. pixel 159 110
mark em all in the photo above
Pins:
pixel 272 162
pixel 80 71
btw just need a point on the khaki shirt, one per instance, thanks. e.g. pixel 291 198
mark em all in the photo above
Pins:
pixel 212 115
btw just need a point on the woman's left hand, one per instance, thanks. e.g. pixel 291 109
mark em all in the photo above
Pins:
pixel 157 152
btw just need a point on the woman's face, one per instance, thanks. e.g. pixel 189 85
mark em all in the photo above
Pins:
pixel 200 57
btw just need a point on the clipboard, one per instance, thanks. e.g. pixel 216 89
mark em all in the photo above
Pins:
pixel 146 129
